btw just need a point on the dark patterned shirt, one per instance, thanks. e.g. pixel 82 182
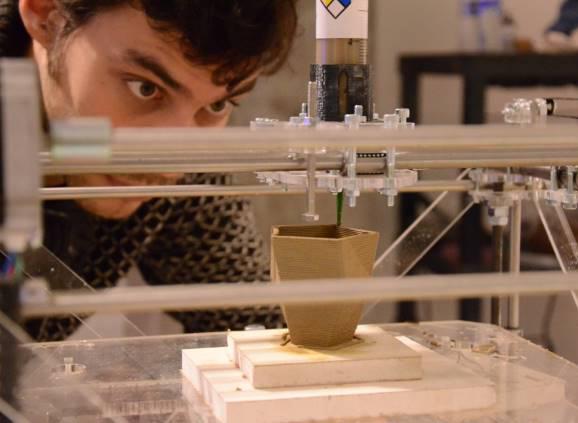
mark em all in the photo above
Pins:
pixel 171 241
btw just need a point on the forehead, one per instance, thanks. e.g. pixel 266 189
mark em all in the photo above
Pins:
pixel 113 34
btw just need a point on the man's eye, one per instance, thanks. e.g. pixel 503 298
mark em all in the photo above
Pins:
pixel 143 89
pixel 220 108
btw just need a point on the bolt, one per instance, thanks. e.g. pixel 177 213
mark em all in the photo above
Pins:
pixel 352 121
pixel 295 120
pixel 550 195
pixel 304 111
pixel 68 365
pixel 308 217
pixel 352 199
pixel 571 173
pixel 499 216
pixel 390 121
pixel 403 114
pixel 570 202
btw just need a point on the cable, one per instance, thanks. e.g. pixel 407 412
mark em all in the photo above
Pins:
pixel 553 106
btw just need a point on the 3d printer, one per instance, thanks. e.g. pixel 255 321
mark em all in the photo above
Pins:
pixel 338 144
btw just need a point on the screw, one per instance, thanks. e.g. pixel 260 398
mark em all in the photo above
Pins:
pixel 499 216
pixel 308 217
pixel 304 111
pixel 68 365
pixel 404 115
pixel 352 199
pixel 390 121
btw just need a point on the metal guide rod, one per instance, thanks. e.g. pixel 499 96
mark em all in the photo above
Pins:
pixel 498 267
pixel 515 257
pixel 191 297
pixel 234 164
pixel 423 138
pixel 176 191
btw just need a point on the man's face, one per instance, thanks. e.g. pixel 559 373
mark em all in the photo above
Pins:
pixel 118 67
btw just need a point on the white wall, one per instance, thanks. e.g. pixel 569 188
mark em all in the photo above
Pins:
pixel 420 26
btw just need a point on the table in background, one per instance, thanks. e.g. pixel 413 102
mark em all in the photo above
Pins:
pixel 479 73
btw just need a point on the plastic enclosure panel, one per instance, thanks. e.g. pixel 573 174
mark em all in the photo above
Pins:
pixel 141 377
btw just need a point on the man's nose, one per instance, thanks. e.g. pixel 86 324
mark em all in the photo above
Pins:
pixel 186 117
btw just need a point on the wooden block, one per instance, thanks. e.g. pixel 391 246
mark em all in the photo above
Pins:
pixel 375 357
pixel 205 359
pixel 446 386
pixel 235 338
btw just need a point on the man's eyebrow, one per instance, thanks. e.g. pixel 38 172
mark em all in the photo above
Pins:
pixel 152 65
pixel 248 87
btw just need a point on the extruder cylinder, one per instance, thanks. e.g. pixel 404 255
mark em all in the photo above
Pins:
pixel 342 73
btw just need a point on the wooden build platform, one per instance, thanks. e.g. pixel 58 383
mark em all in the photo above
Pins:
pixel 268 361
pixel 444 385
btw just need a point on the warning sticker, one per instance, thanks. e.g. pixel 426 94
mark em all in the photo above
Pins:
pixel 342 19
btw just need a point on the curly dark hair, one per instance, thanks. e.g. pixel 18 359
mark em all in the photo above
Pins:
pixel 238 37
